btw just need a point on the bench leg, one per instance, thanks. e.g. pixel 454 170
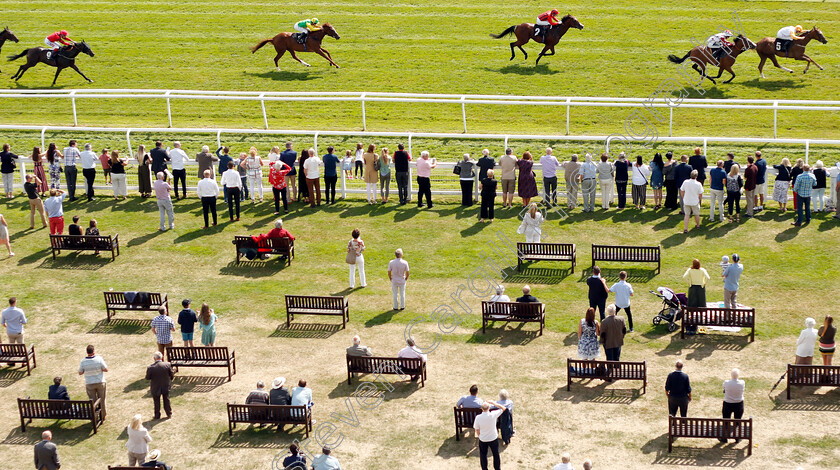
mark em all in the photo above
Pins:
pixel 288 319
pixel 230 428
pixel 752 334
pixel 483 325
pixel 457 433
pixel 670 443
pixel 568 381
pixel 518 264
pixel 228 367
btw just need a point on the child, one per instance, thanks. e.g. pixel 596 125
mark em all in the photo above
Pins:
pixel 4 235
pixel 724 262
pixel 347 165
pixel 187 319
pixel 105 160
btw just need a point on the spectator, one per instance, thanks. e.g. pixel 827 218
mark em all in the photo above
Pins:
pixel 506 419
pixel 208 191
pixel 331 163
pixel 273 155
pixel 93 368
pixel 116 169
pixel 678 391
pixel 818 199
pixel 164 201
pixel 698 162
pixel 138 441
pixel 641 172
pixel 401 159
pixel 71 154
pixel 794 172
pixel 55 211
pixel 313 183
pixel 471 400
pixel 682 173
pixel 4 235
pixel 13 319
pixel 507 163
pixel 588 332
pixel 571 171
pixel 75 229
pixel 35 203
pixel 734 183
pixel 697 278
pixel 587 464
pixel 357 349
pixel 612 333
pixel 733 398
pixel 466 172
pixel 160 156
pixel 38 169
pixel 826 334
pixel 410 351
pixel 302 395
pixel 162 327
pixel 424 182
pixel 58 391
pixel 398 274
pixel 531 224
pixel 187 318
pixel 233 189
pixel 488 436
pixel 588 175
pixel 802 187
pixel 360 161
pixel 155 462
pixel 527 183
pixel 289 157
pixel 782 184
pixel 325 461
pixel 486 162
pixel 205 161
pixel 731 281
pixel 606 176
pixel 89 160
pixel 623 290
pixel 207 325
pixel 355 253
pixel 371 176
pixel 277 176
pixel 160 374
pixel 54 158
pixel 384 168
pixel 488 196
pixel 92 230
pixel 500 295
pixel 254 164
pixel 526 296
pixel 836 197
pixel 144 172
pixel 258 396
pixel 46 453
pixel 657 180
pixel 565 462
pixel 295 460
pixel 760 181
pixel 598 291
pixel 279 232
pixel 242 169
pixel 691 193
pixel 806 342
pixel 347 165
pixel 730 160
pixel 669 173
pixel 224 158
pixel 279 395
pixel 622 174
pixel 179 172
pixel 750 175
pixel 549 172
pixel 717 185
pixel 303 192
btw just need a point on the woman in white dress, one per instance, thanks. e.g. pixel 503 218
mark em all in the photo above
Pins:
pixel 531 223
pixel 254 166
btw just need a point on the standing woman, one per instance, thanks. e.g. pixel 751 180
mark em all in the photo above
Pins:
pixel 806 342
pixel 466 176
pixel 384 175
pixel 531 223
pixel 4 235
pixel 818 199
pixel 827 332
pixel 697 278
pixel 277 179
pixel 797 170
pixel 144 172
pixel 782 184
pixel 360 161
pixel 621 176
pixel 657 166
pixel 606 172
pixel 355 250
pixel 105 161
pixel 734 183
pixel 670 182
pixel 640 181
pixel 37 162
pixel 54 158
pixel 488 196
pixel 207 325
pixel 118 177
pixel 303 191
pixel 254 165
pixel 370 174
pixel 138 441
pixel 588 332
pixel 527 182
pixel 273 155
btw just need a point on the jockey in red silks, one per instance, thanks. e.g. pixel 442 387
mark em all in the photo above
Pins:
pixel 718 44
pixel 545 22
pixel 57 39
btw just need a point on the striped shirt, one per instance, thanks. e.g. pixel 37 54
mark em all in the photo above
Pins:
pixel 70 156
pixel 92 367
pixel 163 325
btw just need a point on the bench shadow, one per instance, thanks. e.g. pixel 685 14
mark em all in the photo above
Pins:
pixel 596 391
pixel 702 346
pixel 253 437
pixel 803 399
pixel 640 275
pixel 182 384
pixel 8 376
pixel 77 261
pixel 254 268
pixel 121 326
pixel 536 275
pixel 401 388
pixel 305 330
pixel 65 432
pixel 503 336
pixel 137 241
pixel 720 455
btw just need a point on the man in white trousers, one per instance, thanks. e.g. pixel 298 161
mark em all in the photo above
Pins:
pixel 398 274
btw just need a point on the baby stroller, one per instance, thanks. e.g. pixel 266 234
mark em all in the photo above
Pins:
pixel 672 307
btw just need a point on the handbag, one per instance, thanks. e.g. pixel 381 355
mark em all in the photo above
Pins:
pixel 376 164
pixel 351 254
pixel 456 169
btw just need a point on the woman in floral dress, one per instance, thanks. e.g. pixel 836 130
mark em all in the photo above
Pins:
pixel 588 332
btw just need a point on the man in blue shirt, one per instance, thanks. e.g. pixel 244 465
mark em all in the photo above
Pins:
pixel 731 278
pixel 717 176
pixel 761 181
pixel 803 186
pixel 471 400
pixel 187 318
pixel 330 174
pixel 224 157
pixel 289 157
pixel 678 391
pixel 623 291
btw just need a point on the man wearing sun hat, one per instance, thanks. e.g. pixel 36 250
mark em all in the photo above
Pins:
pixel 154 462
pixel 279 395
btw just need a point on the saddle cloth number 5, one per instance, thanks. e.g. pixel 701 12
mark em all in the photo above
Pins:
pixel 778 45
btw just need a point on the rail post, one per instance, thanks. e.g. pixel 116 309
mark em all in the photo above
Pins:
pixel 73 101
pixel 568 107
pixel 128 144
pixel 410 186
pixel 262 104
pixel 218 139
pixel 671 121
pixel 705 142
pixel 464 112
pixel 807 150
pixel 43 141
pixel 168 107
pixel 315 143
pixel 775 118
pixel 343 183
pixel 364 115
pixel 506 144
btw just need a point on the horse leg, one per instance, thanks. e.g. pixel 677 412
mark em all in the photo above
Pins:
pixel 542 53
pixel 761 66
pixel 23 68
pixel 732 73
pixel 73 66
pixel 57 71
pixel 776 63
pixel 294 56
pixel 702 71
pixel 326 54
pixel 523 51
pixel 810 61
pixel 512 51
pixel 277 57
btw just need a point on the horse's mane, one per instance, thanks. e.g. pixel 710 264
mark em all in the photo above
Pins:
pixel 566 18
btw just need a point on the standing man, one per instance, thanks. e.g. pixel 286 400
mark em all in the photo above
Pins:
pixel 612 334
pixel 731 281
pixel 179 172
pixel 486 162
pixel 733 398
pixel 208 191
pixel 508 165
pixel 164 201
pixel 698 162
pixel 401 159
pixel 233 189
pixel 761 181
pixel 55 211
pixel 160 373
pixel 682 173
pixel 623 290
pixel 89 159
pixel 803 186
pixel 162 327
pixel 606 173
pixel 289 157
pixel 46 453
pixel 588 184
pixel 159 158
pixel 717 178
pixel 13 320
pixel 224 158
pixel 35 202
pixel 571 170
pixel 187 318
pixel 71 154
pixel 398 274
pixel 598 291
pixel 331 167
pixel 312 169
pixel 750 182
pixel 488 435
pixel 205 161
pixel 424 179
pixel 730 160
pixel 549 170
pixel 7 168
pixel 836 197
pixel 691 193
pixel 93 367
pixel 678 390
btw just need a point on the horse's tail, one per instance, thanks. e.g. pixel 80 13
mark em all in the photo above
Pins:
pixel 504 33
pixel 677 60
pixel 260 44
pixel 18 56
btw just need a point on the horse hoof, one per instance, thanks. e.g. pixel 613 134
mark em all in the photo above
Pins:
pixel 277 69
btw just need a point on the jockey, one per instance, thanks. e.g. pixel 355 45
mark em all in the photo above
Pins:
pixel 545 22
pixel 718 44
pixel 55 40
pixel 786 36
pixel 304 27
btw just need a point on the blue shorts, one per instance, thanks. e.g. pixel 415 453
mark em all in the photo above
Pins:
pixel 187 336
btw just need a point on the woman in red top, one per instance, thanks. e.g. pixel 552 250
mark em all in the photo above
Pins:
pixel 277 178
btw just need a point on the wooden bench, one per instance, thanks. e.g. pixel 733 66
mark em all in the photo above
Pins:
pixel 385 365
pixel 158 467
pixel 316 305
pixel 603 370
pixel 18 354
pixel 270 246
pixel 116 301
pixel 87 410
pixel 218 356
pixel 628 254
pixel 85 243
pixel 512 312
pixel 465 418
pixel 714 316
pixel 710 428
pixel 812 376
pixel 545 252
pixel 269 414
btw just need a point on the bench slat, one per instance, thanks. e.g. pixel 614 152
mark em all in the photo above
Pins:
pixel 710 428
pixel 317 305
pixel 512 312
pixel 812 375
pixel 616 370
pixel 545 252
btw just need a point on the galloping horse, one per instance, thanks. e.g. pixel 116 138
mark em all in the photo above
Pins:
pixel 285 42
pixel 766 49
pixel 7 35
pixel 60 60
pixel 525 32
pixel 702 55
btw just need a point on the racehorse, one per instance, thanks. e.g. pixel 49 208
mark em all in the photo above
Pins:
pixel 62 59
pixel 766 49
pixel 702 55
pixel 285 42
pixel 525 32
pixel 7 35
